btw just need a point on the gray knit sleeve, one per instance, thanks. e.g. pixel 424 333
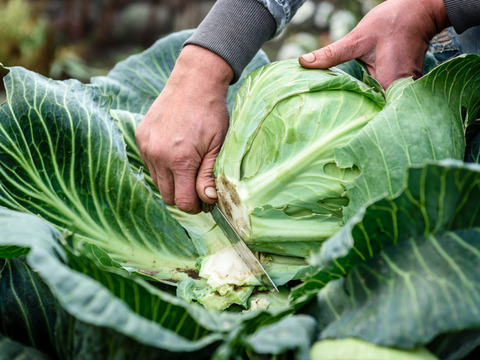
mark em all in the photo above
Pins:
pixel 463 14
pixel 235 30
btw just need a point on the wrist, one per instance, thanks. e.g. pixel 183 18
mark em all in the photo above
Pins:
pixel 204 65
pixel 438 13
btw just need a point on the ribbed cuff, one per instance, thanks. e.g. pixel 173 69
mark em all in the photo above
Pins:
pixel 463 14
pixel 235 30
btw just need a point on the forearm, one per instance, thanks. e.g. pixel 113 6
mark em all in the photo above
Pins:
pixel 463 14
pixel 237 29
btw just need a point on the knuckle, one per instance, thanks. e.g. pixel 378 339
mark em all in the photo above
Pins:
pixel 354 37
pixel 186 205
pixel 157 155
pixel 167 199
pixel 165 191
pixel 329 52
pixel 184 163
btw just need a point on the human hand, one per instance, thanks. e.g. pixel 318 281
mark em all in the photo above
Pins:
pixel 391 40
pixel 183 131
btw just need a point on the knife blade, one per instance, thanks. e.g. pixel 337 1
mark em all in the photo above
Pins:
pixel 242 250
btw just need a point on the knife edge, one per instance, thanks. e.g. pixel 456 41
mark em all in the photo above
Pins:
pixel 242 250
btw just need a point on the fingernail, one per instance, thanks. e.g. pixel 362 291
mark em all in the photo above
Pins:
pixel 310 57
pixel 211 192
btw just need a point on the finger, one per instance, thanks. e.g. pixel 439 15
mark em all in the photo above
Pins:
pixel 165 184
pixel 341 51
pixel 162 178
pixel 186 197
pixel 206 180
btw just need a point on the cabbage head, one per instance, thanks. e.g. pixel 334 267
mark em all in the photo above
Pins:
pixel 277 179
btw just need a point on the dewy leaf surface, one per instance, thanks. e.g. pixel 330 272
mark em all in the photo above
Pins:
pixel 63 158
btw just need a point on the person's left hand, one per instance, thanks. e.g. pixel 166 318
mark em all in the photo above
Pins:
pixel 391 40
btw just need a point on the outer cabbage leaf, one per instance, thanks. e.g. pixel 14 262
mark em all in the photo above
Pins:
pixel 105 309
pixel 423 120
pixel 411 264
pixel 104 312
pixel 62 158
pixel 276 175
pixel 431 282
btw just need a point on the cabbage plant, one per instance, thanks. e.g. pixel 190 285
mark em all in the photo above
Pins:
pixel 94 265
pixel 299 139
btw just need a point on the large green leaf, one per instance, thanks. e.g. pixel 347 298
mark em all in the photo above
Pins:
pixel 423 120
pixel 437 197
pixel 109 304
pixel 106 312
pixel 432 283
pixel 411 263
pixel 63 158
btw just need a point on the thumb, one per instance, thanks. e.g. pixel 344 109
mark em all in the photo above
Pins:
pixel 334 54
pixel 205 185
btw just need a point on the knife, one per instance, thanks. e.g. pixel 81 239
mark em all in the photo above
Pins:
pixel 242 250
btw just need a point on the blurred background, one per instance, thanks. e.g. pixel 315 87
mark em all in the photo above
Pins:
pixel 84 38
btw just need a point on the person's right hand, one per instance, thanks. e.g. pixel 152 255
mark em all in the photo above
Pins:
pixel 183 131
